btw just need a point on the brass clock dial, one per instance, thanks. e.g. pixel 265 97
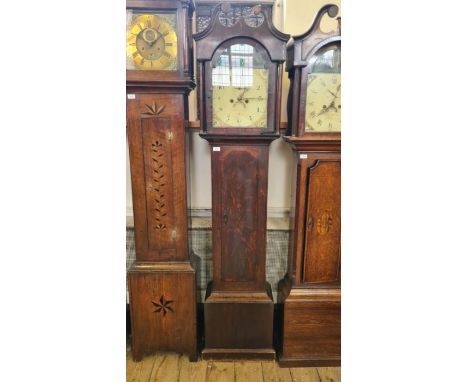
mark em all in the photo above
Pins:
pixel 151 41
pixel 240 89
pixel 323 102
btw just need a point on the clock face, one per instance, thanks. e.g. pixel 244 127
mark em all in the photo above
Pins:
pixel 323 102
pixel 151 41
pixel 239 88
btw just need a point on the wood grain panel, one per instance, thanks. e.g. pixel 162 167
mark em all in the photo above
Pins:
pixel 156 139
pixel 323 223
pixel 240 179
pixel 239 200
pixel 216 371
pixel 157 146
pixel 162 312
pixel 312 329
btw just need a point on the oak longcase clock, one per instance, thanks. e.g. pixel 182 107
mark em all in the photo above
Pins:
pixel 310 293
pixel 239 55
pixel 161 282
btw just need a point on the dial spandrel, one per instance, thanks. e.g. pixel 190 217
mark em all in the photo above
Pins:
pixel 239 88
pixel 323 102
pixel 151 41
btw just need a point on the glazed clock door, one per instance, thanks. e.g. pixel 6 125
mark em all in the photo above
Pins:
pixel 323 223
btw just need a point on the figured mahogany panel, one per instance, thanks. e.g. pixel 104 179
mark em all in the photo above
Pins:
pixel 239 191
pixel 323 223
pixel 239 216
pixel 156 139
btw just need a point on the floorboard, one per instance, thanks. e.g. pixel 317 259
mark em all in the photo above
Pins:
pixel 171 367
pixel 246 371
pixel 305 374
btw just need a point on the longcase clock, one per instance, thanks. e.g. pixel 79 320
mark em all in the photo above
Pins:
pixel 310 293
pixel 159 78
pixel 239 56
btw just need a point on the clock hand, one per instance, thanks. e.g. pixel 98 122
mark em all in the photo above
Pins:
pixel 239 101
pixel 325 109
pixel 332 105
pixel 241 96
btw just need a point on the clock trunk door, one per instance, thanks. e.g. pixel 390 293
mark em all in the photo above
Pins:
pixel 239 210
pixel 323 223
pixel 157 154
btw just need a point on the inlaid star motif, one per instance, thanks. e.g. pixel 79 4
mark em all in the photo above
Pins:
pixel 162 306
pixel 154 109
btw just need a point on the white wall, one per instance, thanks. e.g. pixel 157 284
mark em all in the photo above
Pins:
pixel 290 16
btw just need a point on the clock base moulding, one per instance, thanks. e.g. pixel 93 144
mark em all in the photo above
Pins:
pixel 239 325
pixel 163 308
pixel 311 327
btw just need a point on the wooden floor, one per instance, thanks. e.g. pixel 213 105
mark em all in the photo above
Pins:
pixel 169 367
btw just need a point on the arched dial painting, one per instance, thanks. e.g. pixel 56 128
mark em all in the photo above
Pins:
pixel 239 82
pixel 323 102
pixel 151 41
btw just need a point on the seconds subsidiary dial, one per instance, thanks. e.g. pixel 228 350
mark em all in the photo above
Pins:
pixel 151 41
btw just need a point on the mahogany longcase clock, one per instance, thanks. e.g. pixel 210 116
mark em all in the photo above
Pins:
pixel 159 78
pixel 240 56
pixel 310 294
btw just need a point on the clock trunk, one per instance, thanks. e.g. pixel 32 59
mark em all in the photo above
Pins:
pixel 239 303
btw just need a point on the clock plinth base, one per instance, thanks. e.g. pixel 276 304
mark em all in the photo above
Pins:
pixel 311 325
pixel 239 325
pixel 163 308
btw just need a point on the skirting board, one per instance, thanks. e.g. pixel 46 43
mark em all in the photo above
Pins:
pixel 277 218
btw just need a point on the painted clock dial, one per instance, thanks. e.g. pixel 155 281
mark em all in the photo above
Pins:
pixel 151 41
pixel 323 103
pixel 239 88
